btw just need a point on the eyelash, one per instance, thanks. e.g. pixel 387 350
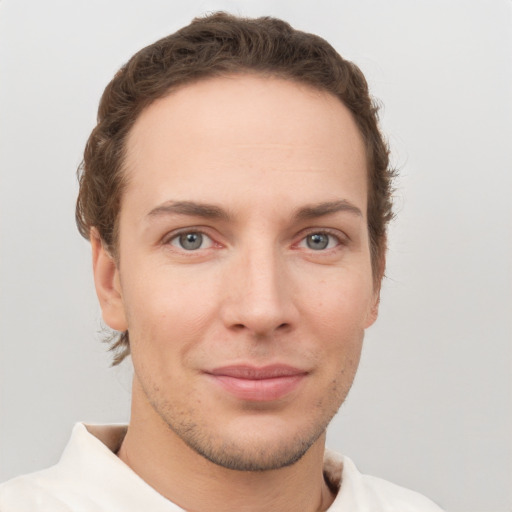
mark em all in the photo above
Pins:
pixel 339 240
pixel 177 235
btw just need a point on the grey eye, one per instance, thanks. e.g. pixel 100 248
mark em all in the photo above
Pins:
pixel 190 241
pixel 317 241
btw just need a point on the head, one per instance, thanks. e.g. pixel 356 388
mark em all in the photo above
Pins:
pixel 220 45
pixel 236 192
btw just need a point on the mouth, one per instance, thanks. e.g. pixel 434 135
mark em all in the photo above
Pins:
pixel 255 384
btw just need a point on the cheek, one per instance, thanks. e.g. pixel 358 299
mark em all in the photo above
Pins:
pixel 337 315
pixel 341 302
pixel 166 309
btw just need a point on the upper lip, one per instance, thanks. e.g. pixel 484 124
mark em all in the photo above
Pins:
pixel 257 373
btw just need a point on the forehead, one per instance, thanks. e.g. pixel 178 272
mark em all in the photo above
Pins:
pixel 249 106
pixel 243 130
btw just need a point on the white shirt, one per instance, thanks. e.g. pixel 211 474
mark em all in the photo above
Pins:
pixel 90 478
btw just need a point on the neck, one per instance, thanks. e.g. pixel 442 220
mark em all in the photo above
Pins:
pixel 195 484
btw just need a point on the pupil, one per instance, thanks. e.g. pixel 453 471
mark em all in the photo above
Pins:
pixel 191 241
pixel 318 241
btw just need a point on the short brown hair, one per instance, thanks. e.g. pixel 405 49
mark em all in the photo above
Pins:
pixel 215 45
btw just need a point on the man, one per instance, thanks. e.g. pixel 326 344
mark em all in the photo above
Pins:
pixel 236 192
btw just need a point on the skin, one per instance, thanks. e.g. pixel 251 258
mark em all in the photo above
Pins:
pixel 276 163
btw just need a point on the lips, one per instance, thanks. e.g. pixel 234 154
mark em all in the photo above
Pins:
pixel 258 384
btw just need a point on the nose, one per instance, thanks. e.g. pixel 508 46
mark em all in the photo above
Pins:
pixel 259 296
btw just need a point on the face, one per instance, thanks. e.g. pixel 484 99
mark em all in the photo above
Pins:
pixel 244 274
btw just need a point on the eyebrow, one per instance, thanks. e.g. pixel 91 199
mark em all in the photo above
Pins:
pixel 328 208
pixel 192 208
pixel 211 211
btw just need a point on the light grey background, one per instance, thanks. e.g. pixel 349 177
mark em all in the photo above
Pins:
pixel 431 408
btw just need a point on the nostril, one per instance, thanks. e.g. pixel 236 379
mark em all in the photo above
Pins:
pixel 241 327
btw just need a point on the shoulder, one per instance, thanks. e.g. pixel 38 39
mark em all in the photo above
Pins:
pixel 364 492
pixel 390 496
pixel 63 487
pixel 35 491
pixel 88 477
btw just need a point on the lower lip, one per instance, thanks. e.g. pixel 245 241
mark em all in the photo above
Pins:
pixel 259 390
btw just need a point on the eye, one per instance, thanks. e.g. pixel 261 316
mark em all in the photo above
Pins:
pixel 319 241
pixel 191 241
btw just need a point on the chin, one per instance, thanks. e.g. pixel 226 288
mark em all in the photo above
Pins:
pixel 253 443
pixel 253 453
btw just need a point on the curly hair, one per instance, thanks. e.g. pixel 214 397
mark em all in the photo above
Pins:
pixel 215 45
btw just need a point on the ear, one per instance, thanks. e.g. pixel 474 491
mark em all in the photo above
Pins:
pixel 107 283
pixel 373 312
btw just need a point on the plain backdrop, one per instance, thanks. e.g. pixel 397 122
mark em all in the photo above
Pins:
pixel 431 408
